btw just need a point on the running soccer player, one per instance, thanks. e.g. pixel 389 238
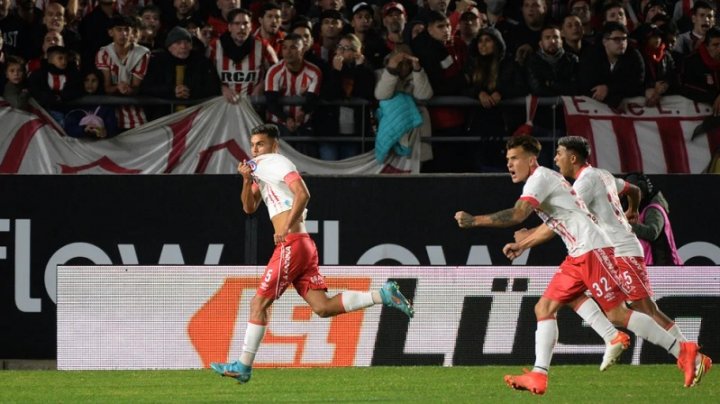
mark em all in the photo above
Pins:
pixel 588 266
pixel 273 178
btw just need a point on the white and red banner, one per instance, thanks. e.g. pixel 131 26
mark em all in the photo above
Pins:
pixel 653 140
pixel 210 138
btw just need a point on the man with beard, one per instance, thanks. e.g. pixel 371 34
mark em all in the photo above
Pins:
pixel 269 29
pixel 572 35
pixel 582 9
pixel 551 71
pixel 240 60
pixel 703 17
pixel 394 20
pixel 524 38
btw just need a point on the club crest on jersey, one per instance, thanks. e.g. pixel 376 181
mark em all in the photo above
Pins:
pixel 252 164
pixel 239 77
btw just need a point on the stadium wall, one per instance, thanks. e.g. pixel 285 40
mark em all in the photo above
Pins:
pixel 47 221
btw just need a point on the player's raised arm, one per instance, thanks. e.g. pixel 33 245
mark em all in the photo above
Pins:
pixel 503 218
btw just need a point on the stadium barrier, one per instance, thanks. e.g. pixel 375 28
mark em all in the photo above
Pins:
pixel 185 317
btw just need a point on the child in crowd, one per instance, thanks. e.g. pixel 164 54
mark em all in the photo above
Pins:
pixel 55 83
pixel 16 92
pixel 97 121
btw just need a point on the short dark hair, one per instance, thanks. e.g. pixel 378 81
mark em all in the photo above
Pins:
pixel 713 32
pixel 291 36
pixel 576 144
pixel 235 11
pixel 269 129
pixel 701 4
pixel 270 5
pixel 642 181
pixel 549 26
pixel 435 16
pixel 14 60
pixel 611 27
pixel 609 6
pixel 527 143
pixel 122 21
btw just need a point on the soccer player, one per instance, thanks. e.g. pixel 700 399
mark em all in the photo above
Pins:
pixel 588 266
pixel 273 178
pixel 240 59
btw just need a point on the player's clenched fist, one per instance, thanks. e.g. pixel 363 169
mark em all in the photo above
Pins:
pixel 512 250
pixel 244 169
pixel 464 220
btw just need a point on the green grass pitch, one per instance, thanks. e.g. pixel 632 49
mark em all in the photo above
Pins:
pixel 568 384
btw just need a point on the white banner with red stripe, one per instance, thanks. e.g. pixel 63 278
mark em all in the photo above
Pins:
pixel 653 140
pixel 209 138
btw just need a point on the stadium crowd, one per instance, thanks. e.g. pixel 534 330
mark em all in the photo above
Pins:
pixel 385 52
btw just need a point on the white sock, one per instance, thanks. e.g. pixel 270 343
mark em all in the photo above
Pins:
pixel 352 300
pixel 545 338
pixel 254 334
pixel 591 313
pixel 675 332
pixel 645 327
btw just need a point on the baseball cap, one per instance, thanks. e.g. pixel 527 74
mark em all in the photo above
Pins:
pixel 362 6
pixel 393 5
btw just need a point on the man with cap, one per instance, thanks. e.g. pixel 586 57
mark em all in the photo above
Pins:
pixel 331 27
pixel 394 18
pixel 471 21
pixel 362 24
pixel 179 73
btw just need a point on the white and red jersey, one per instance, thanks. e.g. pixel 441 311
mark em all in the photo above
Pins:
pixel 555 201
pixel 133 65
pixel 242 77
pixel 274 173
pixel 56 82
pixel 275 42
pixel 280 79
pixel 599 189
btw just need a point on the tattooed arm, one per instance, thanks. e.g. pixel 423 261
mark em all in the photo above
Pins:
pixel 503 218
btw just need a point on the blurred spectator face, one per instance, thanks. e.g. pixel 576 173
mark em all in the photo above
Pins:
pixel 437 5
pixel 550 41
pixel 702 20
pixel 572 29
pixel 331 4
pixel 4 8
pixel 120 35
pixel 495 7
pixel 653 42
pixel 486 45
pixel 52 38
pixel 348 50
pixel 394 21
pixel 670 40
pixel 184 7
pixel 15 73
pixel 362 21
pixel 270 22
pixel 59 60
pixel 713 48
pixel 91 83
pixel 287 11
pixel 239 28
pixel 440 31
pixel 416 30
pixel 469 24
pixel 226 5
pixel 180 49
pixel 151 20
pixel 330 28
pixel 533 12
pixel 581 9
pixel 653 11
pixel 54 17
pixel 616 14
pixel 307 37
pixel 292 52
pixel 615 43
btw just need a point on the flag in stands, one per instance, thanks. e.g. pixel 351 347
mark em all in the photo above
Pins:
pixel 654 140
pixel 208 138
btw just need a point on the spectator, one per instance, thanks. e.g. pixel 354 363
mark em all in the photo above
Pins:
pixel 123 65
pixel 304 29
pixel 348 77
pixel 55 83
pixel 178 72
pixel 331 27
pixel 52 38
pixel 403 74
pixel 315 13
pixel 583 11
pixel 374 48
pixel 523 40
pixel 287 14
pixel 498 19
pixel 95 29
pixel 54 20
pixel 220 20
pixel 12 29
pixel 412 30
pixel 653 226
pixel 551 71
pixel 430 6
pixel 95 122
pixel 16 92
pixel 152 35
pixel 183 13
pixel 293 76
pixel 443 61
pixel 240 59
pixel 653 8
pixel 613 11
pixel 394 19
pixel 612 71
pixel 469 25
pixel 700 75
pixel 491 77
pixel 660 73
pixel 572 35
pixel 703 17
pixel 269 29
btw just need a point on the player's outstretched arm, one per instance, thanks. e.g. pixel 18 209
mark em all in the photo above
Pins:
pixel 503 218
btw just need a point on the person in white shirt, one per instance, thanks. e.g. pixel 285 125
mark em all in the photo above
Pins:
pixel 272 178
pixel 589 265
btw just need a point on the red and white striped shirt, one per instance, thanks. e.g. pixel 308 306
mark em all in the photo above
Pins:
pixel 134 64
pixel 56 82
pixel 242 77
pixel 280 79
